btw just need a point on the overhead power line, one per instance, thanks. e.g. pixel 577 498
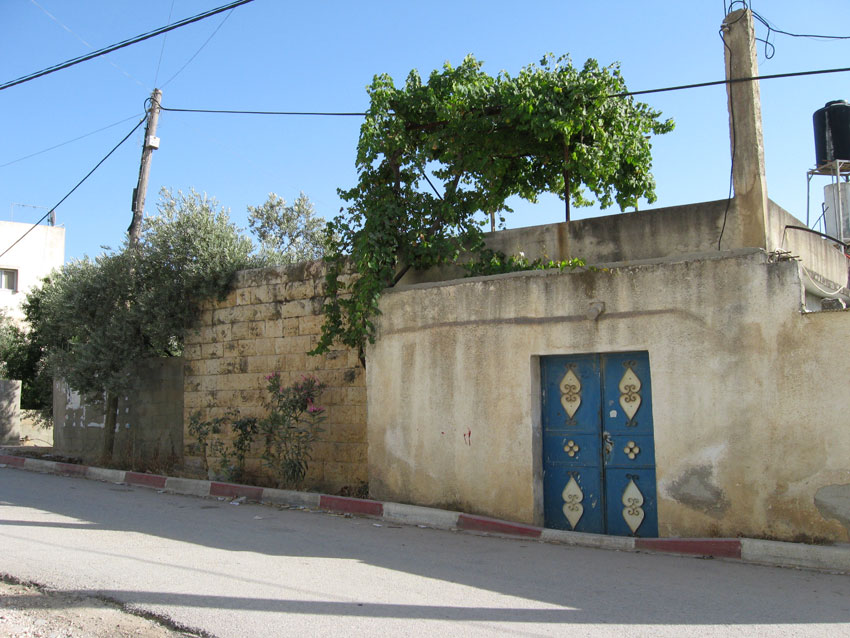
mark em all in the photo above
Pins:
pixel 201 48
pixel 732 81
pixel 769 47
pixel 83 136
pixel 121 45
pixel 680 87
pixel 81 39
pixel 80 183
pixel 232 112
pixel 770 27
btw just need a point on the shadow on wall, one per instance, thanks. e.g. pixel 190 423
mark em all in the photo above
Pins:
pixel 149 433
pixel 10 411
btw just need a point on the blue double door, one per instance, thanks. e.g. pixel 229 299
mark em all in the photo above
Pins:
pixel 598 445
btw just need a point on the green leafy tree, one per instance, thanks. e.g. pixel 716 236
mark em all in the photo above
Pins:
pixel 187 253
pixel 20 358
pixel 288 233
pixel 96 318
pixel 434 156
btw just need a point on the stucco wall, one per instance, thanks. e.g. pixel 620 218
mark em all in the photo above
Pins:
pixel 649 234
pixel 268 324
pixel 149 432
pixel 34 257
pixel 825 263
pixel 662 233
pixel 747 392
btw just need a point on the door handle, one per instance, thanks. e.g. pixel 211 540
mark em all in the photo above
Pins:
pixel 608 445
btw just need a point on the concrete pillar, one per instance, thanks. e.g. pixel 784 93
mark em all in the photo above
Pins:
pixel 748 171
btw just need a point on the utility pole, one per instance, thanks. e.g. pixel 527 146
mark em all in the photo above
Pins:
pixel 150 145
pixel 134 231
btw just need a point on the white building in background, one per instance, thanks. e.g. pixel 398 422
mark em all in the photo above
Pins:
pixel 31 259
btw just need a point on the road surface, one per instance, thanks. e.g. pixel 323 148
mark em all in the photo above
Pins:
pixel 253 570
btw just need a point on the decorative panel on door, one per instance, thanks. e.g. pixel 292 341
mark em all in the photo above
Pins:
pixel 598 447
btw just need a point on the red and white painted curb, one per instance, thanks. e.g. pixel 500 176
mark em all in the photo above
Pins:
pixel 776 553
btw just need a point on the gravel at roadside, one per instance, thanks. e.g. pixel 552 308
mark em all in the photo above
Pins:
pixel 27 612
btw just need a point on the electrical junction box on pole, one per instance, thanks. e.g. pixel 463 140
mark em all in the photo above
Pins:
pixel 836 210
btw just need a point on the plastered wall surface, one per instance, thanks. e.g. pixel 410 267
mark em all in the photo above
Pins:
pixel 748 392
pixel 660 233
pixel 268 324
pixel 10 415
pixel 39 253
pixel 149 431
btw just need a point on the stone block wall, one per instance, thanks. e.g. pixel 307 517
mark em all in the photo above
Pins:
pixel 267 324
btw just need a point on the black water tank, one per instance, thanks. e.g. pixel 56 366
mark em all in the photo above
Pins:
pixel 832 132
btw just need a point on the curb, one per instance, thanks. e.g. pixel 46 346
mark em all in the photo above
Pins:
pixel 747 550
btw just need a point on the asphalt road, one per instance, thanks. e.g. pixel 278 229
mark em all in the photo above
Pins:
pixel 252 570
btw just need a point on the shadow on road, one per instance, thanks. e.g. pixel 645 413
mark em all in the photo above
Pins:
pixel 564 584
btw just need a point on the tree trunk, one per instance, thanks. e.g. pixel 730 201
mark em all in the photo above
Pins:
pixel 111 418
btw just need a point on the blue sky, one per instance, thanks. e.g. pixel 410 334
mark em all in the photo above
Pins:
pixel 282 55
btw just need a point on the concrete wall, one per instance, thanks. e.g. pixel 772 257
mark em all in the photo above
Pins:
pixel 751 429
pixel 661 233
pixel 824 261
pixel 34 257
pixel 648 234
pixel 268 324
pixel 149 433
pixel 33 432
pixel 10 416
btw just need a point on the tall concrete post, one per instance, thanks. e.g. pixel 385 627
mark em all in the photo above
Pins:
pixel 748 169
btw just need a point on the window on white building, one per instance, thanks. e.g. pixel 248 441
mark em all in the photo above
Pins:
pixel 8 279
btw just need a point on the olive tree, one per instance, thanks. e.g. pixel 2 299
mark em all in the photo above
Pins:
pixel 97 318
pixel 287 233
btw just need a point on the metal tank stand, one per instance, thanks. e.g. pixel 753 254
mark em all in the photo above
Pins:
pixel 835 169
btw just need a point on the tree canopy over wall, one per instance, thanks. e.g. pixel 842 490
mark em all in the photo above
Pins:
pixel 434 156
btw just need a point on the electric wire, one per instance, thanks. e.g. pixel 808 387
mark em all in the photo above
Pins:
pixel 201 48
pixel 680 87
pixel 81 39
pixel 755 78
pixel 85 135
pixel 769 48
pixel 814 232
pixel 162 49
pixel 234 112
pixel 80 183
pixel 124 43
pixel 361 114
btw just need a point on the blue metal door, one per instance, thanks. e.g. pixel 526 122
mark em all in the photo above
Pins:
pixel 598 446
